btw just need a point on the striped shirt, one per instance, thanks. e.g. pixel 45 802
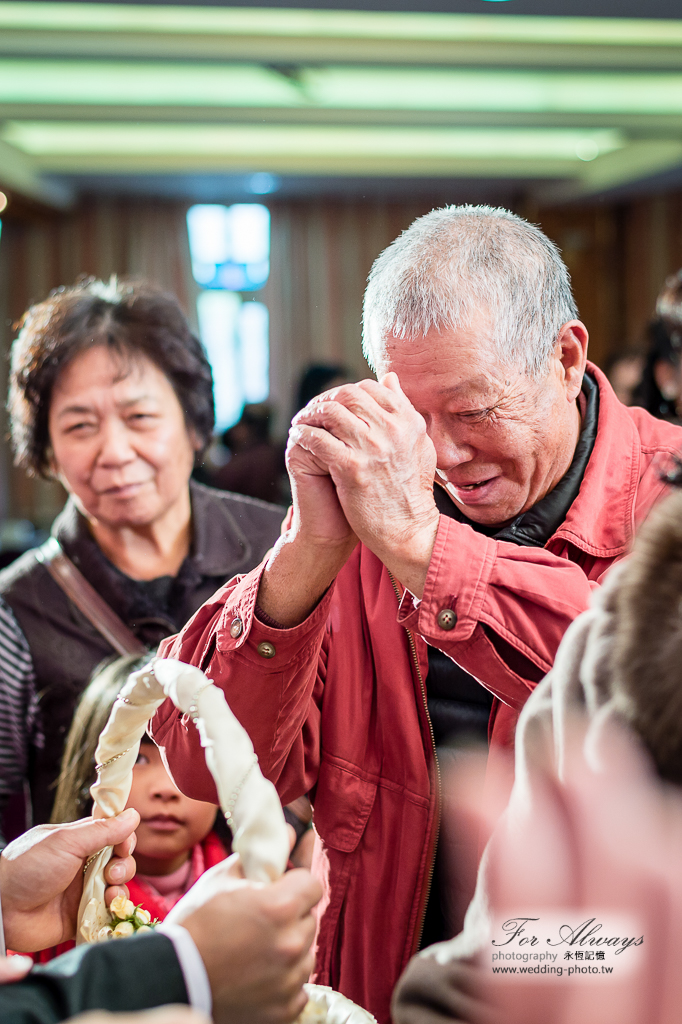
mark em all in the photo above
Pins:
pixel 18 707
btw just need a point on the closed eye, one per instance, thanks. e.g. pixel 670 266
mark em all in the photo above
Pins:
pixel 476 414
pixel 142 417
pixel 75 427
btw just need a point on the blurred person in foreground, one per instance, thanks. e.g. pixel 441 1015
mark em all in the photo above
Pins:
pixel 450 522
pixel 238 953
pixel 112 395
pixel 594 824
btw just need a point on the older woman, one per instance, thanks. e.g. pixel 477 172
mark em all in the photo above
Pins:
pixel 111 394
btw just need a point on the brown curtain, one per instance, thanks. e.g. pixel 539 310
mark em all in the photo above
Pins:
pixel 100 238
pixel 321 255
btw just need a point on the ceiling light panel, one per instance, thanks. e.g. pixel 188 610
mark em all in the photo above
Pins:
pixel 194 20
pixel 135 84
pixel 86 83
pixel 46 138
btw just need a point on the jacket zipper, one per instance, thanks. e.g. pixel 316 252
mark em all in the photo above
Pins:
pixel 436 833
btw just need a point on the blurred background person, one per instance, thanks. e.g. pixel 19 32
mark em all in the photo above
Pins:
pixel 660 389
pixel 624 371
pixel 319 377
pixel 255 463
pixel 111 394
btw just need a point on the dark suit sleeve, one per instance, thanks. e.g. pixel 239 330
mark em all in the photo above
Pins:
pixel 119 975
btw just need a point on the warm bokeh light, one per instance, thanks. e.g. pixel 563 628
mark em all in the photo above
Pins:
pixel 3 202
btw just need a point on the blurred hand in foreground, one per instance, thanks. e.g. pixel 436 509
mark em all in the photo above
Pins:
pixel 14 968
pixel 601 839
pixel 160 1015
pixel 254 940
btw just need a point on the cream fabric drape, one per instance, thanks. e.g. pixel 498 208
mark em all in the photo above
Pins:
pixel 248 800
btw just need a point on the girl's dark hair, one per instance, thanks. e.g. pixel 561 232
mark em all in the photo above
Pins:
pixel 132 318
pixel 78 773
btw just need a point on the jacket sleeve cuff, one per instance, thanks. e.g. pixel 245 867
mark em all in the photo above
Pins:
pixel 192 966
pixel 459 572
pixel 242 628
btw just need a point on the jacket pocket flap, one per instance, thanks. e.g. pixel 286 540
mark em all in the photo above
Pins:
pixel 342 805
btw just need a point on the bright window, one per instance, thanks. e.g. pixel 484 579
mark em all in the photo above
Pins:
pixel 230 250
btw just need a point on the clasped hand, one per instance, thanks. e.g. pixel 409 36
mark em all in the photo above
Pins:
pixel 362 466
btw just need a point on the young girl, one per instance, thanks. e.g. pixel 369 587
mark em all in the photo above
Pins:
pixel 175 838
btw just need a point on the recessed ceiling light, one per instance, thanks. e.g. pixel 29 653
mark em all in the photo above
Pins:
pixel 262 183
pixel 587 149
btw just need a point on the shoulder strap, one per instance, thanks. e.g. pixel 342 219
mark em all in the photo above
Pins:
pixel 87 600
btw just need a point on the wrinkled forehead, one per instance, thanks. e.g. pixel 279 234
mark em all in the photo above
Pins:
pixel 450 362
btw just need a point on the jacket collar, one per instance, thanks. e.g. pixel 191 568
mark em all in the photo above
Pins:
pixel 600 520
pixel 219 546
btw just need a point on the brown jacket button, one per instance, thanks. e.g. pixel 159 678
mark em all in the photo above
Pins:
pixel 446 619
pixel 236 628
pixel 266 649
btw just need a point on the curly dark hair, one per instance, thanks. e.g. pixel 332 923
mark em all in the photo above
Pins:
pixel 130 317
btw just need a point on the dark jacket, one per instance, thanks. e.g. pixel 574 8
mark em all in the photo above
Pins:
pixel 130 974
pixel 231 534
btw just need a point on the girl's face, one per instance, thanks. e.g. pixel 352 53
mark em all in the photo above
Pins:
pixel 171 823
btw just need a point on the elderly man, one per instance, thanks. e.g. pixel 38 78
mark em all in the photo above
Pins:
pixel 388 595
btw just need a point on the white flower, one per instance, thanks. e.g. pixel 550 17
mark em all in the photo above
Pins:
pixel 122 908
pixel 104 933
pixel 123 929
pixel 144 928
pixel 142 916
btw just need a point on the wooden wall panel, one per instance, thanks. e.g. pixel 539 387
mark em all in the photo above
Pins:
pixel 652 250
pixel 589 241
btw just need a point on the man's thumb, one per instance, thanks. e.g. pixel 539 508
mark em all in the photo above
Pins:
pixel 90 836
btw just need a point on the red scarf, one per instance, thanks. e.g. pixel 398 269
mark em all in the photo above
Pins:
pixel 204 855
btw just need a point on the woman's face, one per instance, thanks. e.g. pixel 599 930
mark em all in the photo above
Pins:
pixel 120 444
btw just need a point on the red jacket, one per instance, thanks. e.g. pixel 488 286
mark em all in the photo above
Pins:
pixel 340 710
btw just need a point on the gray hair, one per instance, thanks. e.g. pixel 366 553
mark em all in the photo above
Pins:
pixel 460 259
